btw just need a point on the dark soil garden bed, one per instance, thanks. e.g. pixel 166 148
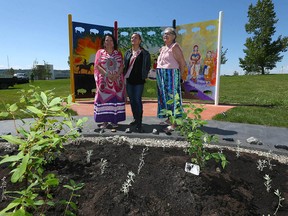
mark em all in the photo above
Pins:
pixel 163 187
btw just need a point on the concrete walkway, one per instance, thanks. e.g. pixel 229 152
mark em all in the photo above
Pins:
pixel 267 138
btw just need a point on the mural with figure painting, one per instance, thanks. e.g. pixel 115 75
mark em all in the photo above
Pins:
pixel 199 44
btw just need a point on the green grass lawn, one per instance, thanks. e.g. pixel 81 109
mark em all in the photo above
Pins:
pixel 260 99
pixel 12 95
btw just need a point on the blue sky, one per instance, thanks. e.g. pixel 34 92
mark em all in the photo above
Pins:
pixel 38 29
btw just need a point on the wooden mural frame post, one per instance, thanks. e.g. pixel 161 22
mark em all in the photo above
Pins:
pixel 71 60
pixel 219 45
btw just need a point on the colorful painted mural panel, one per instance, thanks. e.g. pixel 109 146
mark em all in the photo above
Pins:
pixel 199 44
pixel 86 41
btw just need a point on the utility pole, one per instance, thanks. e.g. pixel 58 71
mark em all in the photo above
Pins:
pixel 8 62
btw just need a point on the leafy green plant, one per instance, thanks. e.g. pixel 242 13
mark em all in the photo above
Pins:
pixel 190 128
pixel 39 141
pixel 70 204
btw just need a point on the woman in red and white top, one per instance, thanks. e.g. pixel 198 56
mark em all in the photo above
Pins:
pixel 109 103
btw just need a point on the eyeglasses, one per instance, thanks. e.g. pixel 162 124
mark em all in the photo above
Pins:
pixel 168 33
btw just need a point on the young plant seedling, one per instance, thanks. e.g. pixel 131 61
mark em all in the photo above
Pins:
pixel 103 165
pixel 141 164
pixel 267 183
pixel 70 205
pixel 89 154
pixel 128 183
pixel 190 128
pixel 280 199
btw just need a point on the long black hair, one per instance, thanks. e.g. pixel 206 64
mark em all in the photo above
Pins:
pixel 113 38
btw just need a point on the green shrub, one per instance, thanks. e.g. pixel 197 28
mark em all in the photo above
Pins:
pixel 190 128
pixel 37 146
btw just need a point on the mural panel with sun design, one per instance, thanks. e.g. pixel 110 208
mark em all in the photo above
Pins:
pixel 86 41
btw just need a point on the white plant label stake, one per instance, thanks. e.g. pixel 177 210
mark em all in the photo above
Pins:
pixel 192 168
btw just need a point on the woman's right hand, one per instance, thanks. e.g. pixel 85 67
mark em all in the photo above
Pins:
pixel 112 77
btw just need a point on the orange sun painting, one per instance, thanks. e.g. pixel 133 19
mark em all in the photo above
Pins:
pixel 84 55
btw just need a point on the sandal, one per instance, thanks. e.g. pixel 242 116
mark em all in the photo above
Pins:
pixel 168 130
pixel 104 125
